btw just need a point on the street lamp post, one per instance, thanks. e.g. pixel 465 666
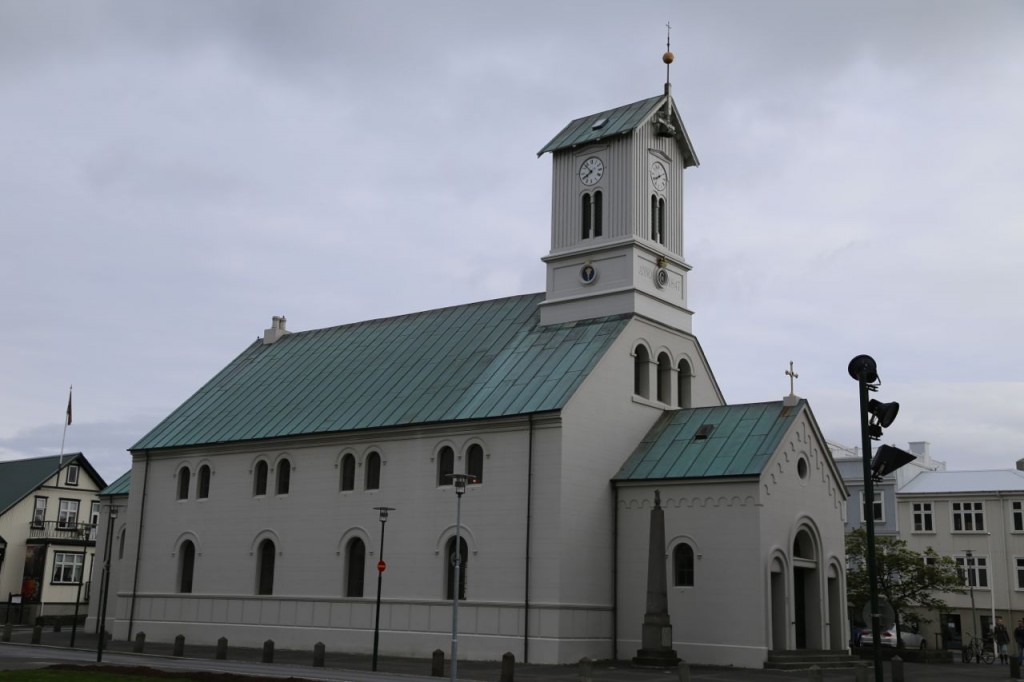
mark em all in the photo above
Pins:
pixel 459 481
pixel 971 577
pixel 111 517
pixel 380 577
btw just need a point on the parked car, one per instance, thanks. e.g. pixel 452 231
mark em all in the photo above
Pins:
pixel 857 632
pixel 911 640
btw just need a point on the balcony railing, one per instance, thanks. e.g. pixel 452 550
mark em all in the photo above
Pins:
pixel 60 530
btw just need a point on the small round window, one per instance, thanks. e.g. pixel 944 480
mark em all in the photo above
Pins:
pixel 801 467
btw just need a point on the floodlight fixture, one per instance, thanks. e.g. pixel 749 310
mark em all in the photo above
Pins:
pixel 863 368
pixel 888 459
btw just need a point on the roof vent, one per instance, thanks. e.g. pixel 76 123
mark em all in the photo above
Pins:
pixel 276 331
pixel 599 123
pixel 704 432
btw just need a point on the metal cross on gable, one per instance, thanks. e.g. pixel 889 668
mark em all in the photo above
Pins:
pixel 792 377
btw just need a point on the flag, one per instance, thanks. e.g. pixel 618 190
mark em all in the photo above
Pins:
pixel 69 408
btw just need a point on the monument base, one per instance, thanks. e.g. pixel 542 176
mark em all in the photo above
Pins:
pixel 656 658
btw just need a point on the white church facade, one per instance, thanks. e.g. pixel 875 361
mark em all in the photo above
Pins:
pixel 252 507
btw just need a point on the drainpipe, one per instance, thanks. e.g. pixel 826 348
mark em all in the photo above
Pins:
pixel 138 548
pixel 529 513
pixel 615 571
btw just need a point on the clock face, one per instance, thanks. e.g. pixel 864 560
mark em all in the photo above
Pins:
pixel 659 176
pixel 591 171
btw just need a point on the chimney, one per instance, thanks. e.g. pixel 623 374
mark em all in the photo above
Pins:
pixel 1020 465
pixel 920 450
pixel 276 331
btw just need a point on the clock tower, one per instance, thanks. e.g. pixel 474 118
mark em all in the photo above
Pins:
pixel 617 215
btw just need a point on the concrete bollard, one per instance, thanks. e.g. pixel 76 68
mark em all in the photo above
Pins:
pixel 222 649
pixel 37 634
pixel 268 651
pixel 897 669
pixel 1014 667
pixel 508 667
pixel 814 674
pixel 179 645
pixel 586 670
pixel 684 672
pixel 861 672
pixel 140 643
pixel 437 664
pixel 319 653
pixel 6 637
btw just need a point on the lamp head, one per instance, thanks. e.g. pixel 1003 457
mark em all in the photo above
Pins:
pixel 884 413
pixel 384 512
pixel 888 459
pixel 863 368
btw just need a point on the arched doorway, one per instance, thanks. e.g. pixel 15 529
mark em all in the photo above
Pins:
pixel 777 585
pixel 807 597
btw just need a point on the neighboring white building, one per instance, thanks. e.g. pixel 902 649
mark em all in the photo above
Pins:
pixel 251 512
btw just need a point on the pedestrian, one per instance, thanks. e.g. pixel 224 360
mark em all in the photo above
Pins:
pixel 1002 638
pixel 1018 635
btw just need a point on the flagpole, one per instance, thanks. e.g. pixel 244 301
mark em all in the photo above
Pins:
pixel 67 422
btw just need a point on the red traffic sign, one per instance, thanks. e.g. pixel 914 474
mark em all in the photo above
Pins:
pixel 381 566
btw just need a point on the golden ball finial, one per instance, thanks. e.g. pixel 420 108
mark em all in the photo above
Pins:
pixel 668 57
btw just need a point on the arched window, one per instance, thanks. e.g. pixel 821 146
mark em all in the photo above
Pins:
pixel 664 378
pixel 203 482
pixel 683 378
pixel 284 476
pixel 450 565
pixel 682 565
pixel 355 567
pixel 348 472
pixel 598 210
pixel 475 463
pixel 265 557
pixel 120 546
pixel 654 218
pixel 587 216
pixel 373 471
pixel 641 367
pixel 184 479
pixel 186 566
pixel 445 466
pixel 661 221
pixel 259 478
pixel 591 212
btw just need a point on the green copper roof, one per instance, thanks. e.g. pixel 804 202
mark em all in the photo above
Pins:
pixel 474 361
pixel 22 477
pixel 708 442
pixel 120 486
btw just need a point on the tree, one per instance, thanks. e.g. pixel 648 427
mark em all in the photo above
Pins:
pixel 906 579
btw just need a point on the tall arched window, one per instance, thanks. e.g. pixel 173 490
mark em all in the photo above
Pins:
pixel 284 476
pixel 683 378
pixel 475 463
pixel 203 482
pixel 186 566
pixel 259 478
pixel 445 466
pixel 184 479
pixel 265 557
pixel 587 216
pixel 664 378
pixel 355 567
pixel 598 210
pixel 682 565
pixel 120 545
pixel 641 368
pixel 654 218
pixel 450 565
pixel 373 471
pixel 591 212
pixel 661 221
pixel 348 472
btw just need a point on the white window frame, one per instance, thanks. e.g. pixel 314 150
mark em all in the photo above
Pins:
pixel 71 475
pixel 1019 572
pixel 39 512
pixel 966 514
pixel 67 518
pixel 1016 516
pixel 67 568
pixel 878 506
pixel 922 516
pixel 978 566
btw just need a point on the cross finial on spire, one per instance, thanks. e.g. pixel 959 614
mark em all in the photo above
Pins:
pixel 792 377
pixel 668 56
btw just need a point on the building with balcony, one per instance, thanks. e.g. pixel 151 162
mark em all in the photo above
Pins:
pixel 48 513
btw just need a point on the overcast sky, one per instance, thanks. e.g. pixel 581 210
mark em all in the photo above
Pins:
pixel 172 174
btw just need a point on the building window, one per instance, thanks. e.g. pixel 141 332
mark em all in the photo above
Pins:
pixel 186 566
pixel 968 517
pixel 1020 572
pixel 68 515
pixel 120 546
pixel 683 379
pixel 348 472
pixel 682 565
pixel 265 556
pixel 598 212
pixel 184 479
pixel 284 476
pixel 259 479
pixel 373 471
pixel 923 517
pixel 203 482
pixel 71 477
pixel 591 210
pixel 877 507
pixel 451 559
pixel 641 365
pixel 445 466
pixel 355 568
pixel 67 567
pixel 1018 516
pixel 475 463
pixel 39 513
pixel 974 570
pixel 664 379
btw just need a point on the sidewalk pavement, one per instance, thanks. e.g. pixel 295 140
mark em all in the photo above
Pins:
pixel 296 663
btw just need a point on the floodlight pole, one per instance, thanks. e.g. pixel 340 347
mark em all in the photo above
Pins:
pixel 869 521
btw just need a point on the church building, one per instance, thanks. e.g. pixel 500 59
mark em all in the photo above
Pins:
pixel 253 510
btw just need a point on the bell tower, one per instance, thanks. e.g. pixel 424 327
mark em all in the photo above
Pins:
pixel 617 214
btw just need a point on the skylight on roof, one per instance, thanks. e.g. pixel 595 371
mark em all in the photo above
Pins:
pixel 704 431
pixel 599 123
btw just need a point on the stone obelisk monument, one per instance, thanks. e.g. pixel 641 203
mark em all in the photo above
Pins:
pixel 656 638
